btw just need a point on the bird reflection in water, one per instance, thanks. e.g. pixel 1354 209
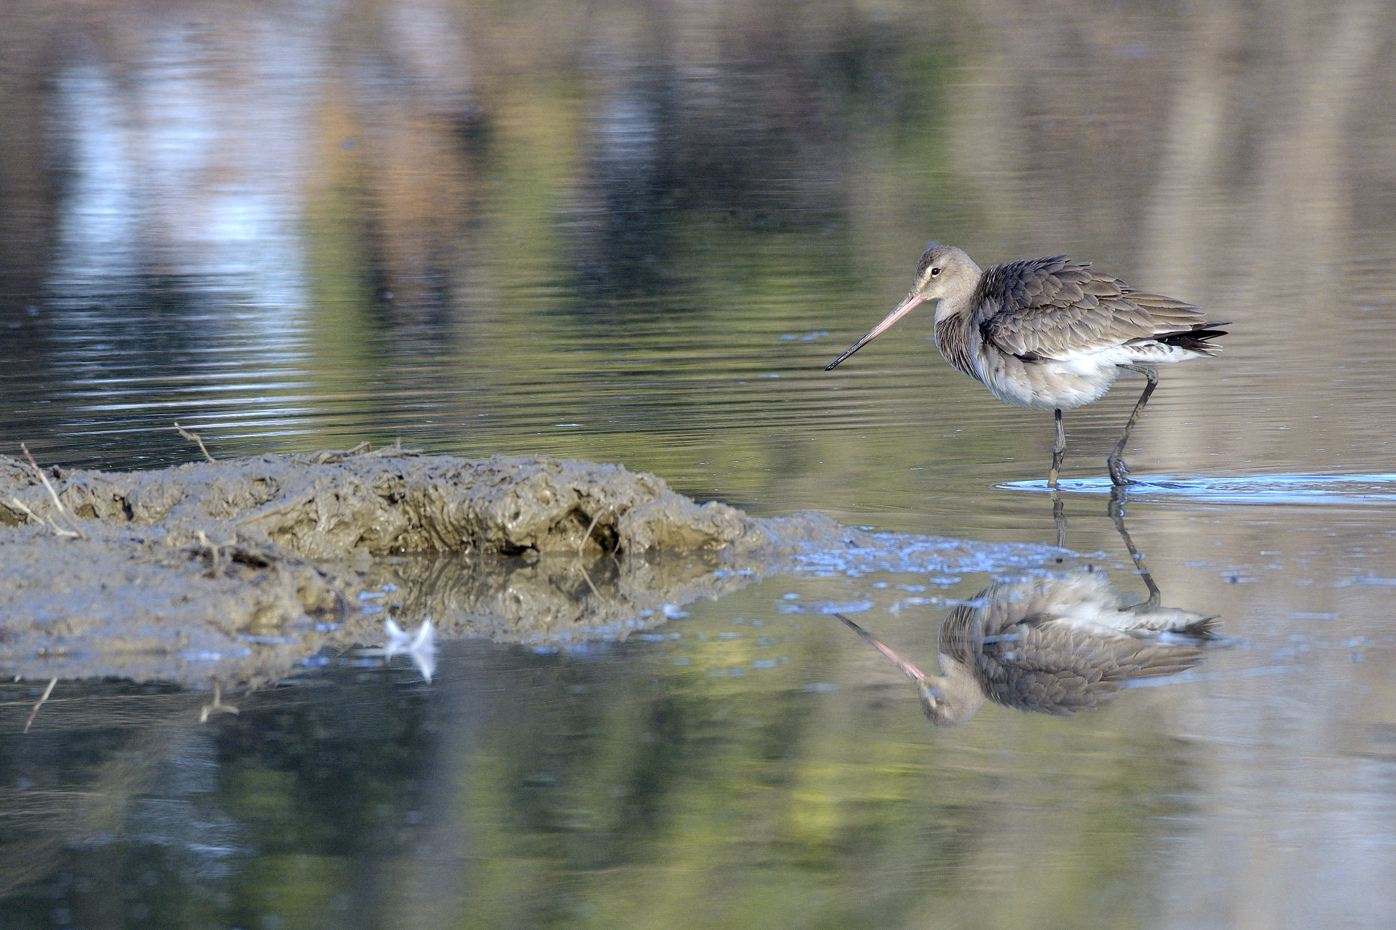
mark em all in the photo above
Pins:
pixel 1054 644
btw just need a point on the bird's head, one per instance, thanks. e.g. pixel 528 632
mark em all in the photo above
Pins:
pixel 952 698
pixel 945 276
pixel 948 699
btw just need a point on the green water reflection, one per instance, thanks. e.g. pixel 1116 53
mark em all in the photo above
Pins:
pixel 618 788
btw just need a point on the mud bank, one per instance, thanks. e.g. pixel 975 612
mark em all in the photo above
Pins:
pixel 238 570
pixel 340 504
pixel 160 573
pixel 552 600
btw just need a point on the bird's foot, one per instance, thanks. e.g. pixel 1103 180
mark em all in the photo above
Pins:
pixel 1116 507
pixel 1119 471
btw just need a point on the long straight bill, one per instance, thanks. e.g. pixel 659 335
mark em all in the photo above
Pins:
pixel 912 301
pixel 908 668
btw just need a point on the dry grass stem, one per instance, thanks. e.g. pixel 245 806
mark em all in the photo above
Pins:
pixel 68 533
pixel 44 478
pixel 586 576
pixel 16 503
pixel 216 706
pixel 29 722
pixel 587 535
pixel 196 439
pixel 393 448
pixel 215 554
pixel 363 450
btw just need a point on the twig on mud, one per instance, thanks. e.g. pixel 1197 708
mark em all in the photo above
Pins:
pixel 268 511
pixel 29 722
pixel 217 706
pixel 596 518
pixel 215 553
pixel 334 456
pixel 361 451
pixel 586 576
pixel 71 532
pixel 392 448
pixel 196 439
pixel 44 478
pixel 16 503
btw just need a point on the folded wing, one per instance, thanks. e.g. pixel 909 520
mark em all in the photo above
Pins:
pixel 1054 308
pixel 1062 668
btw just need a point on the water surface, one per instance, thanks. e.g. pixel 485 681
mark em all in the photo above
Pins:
pixel 635 233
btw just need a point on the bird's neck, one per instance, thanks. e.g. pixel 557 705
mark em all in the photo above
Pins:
pixel 954 312
pixel 952 338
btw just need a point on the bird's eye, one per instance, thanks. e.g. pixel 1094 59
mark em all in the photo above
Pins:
pixel 934 272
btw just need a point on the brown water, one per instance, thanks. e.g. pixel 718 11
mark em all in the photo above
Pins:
pixel 634 233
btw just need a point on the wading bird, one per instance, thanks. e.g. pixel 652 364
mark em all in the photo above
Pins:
pixel 1057 645
pixel 1049 333
pixel 1054 645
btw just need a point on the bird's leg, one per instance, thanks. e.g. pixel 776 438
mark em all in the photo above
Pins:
pixel 1059 519
pixel 1058 451
pixel 1117 514
pixel 1119 473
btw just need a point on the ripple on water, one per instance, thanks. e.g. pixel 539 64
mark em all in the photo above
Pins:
pixel 1370 488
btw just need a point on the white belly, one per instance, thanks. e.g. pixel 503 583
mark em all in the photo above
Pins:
pixel 1049 384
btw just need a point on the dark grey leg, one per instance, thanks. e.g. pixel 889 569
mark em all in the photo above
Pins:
pixel 1119 473
pixel 1058 451
pixel 1117 514
pixel 1059 519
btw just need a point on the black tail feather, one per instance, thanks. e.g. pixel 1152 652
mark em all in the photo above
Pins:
pixel 1194 340
pixel 1206 628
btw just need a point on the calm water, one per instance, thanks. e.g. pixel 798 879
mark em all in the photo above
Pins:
pixel 634 232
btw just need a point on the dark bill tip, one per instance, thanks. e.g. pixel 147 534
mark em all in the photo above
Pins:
pixel 846 355
pixel 912 301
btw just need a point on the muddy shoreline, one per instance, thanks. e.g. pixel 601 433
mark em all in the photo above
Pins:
pixel 235 571
pixel 250 564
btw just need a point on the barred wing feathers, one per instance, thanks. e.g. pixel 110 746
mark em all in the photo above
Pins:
pixel 1054 308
